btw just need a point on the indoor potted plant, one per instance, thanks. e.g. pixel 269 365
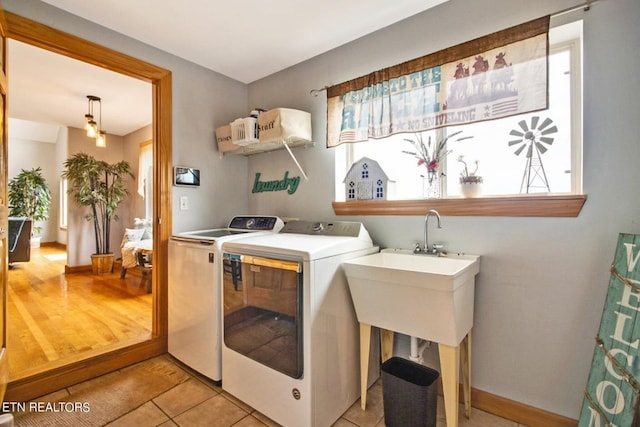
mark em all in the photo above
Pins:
pixel 470 183
pixel 101 187
pixel 430 156
pixel 30 197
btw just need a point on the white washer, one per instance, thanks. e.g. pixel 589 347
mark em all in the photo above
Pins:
pixel 290 334
pixel 194 296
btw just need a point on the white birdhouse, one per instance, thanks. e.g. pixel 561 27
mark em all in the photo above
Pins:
pixel 366 180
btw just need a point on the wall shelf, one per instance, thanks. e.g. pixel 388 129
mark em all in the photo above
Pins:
pixel 263 147
pixel 275 129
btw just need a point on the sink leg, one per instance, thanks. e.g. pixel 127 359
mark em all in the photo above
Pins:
pixel 465 359
pixel 386 344
pixel 365 345
pixel 449 365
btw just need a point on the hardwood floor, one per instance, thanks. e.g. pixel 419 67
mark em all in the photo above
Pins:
pixel 54 319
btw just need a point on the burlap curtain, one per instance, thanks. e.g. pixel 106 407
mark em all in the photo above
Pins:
pixel 498 75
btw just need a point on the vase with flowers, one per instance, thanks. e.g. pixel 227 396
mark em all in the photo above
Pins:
pixel 470 183
pixel 430 156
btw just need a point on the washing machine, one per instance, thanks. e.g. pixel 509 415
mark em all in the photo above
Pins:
pixel 290 333
pixel 194 294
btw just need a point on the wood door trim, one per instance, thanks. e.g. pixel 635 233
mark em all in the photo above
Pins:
pixel 39 35
pixel 56 379
pixel 4 226
pixel 48 38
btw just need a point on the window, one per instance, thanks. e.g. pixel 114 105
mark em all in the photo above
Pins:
pixel 507 159
pixel 145 176
pixel 64 203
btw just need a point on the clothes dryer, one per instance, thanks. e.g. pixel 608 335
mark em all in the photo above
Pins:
pixel 290 333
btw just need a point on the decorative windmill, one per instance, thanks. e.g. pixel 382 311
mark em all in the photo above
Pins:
pixel 531 140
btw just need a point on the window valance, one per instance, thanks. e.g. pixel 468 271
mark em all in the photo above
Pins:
pixel 498 75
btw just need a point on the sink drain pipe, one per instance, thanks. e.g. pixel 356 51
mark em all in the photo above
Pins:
pixel 417 348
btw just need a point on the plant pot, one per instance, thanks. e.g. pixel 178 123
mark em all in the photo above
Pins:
pixel 102 263
pixel 471 186
pixel 35 241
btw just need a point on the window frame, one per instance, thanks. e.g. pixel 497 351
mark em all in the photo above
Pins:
pixel 532 205
pixel 64 204
pixel 556 205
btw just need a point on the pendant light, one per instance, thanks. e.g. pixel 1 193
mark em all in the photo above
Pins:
pixel 93 129
pixel 101 139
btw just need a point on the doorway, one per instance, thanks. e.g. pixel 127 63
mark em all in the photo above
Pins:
pixel 39 35
pixel 56 318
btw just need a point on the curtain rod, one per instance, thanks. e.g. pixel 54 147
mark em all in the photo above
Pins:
pixel 316 92
pixel 584 6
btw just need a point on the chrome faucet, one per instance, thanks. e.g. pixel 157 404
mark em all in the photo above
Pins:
pixel 435 249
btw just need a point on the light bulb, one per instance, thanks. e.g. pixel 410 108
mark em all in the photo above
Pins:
pixel 88 118
pixel 92 129
pixel 101 139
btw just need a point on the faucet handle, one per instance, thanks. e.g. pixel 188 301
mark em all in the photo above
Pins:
pixel 435 249
pixel 417 249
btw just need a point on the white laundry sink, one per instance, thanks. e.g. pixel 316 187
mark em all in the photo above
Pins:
pixel 422 296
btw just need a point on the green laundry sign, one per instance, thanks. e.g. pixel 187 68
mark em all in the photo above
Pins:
pixel 290 184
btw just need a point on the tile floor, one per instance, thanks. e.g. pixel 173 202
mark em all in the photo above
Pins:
pixel 163 392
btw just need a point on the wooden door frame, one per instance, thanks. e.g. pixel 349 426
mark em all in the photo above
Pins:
pixel 42 36
pixel 4 118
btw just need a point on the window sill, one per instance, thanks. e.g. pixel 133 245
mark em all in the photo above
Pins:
pixel 530 205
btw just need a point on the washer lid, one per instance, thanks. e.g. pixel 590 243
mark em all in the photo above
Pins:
pixel 240 224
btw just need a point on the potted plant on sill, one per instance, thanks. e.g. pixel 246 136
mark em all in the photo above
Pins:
pixel 430 156
pixel 470 183
pixel 30 197
pixel 101 187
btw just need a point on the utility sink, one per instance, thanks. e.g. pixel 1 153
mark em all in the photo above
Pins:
pixel 424 296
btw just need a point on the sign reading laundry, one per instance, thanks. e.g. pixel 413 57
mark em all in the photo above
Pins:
pixel 498 75
pixel 286 183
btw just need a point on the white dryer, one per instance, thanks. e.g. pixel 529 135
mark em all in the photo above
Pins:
pixel 290 333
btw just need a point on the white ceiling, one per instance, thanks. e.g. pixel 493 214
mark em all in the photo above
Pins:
pixel 242 40
pixel 245 40
pixel 52 89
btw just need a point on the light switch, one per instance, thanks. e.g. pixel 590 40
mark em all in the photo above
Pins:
pixel 184 203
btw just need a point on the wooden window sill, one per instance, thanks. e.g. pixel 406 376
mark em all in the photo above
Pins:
pixel 529 205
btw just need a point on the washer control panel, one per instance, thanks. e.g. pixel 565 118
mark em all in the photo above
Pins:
pixel 258 223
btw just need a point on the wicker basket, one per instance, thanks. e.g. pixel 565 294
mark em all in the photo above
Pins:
pixel 244 131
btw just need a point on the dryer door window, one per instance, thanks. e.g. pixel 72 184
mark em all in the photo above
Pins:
pixel 263 310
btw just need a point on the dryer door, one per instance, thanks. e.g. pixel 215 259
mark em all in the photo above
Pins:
pixel 263 310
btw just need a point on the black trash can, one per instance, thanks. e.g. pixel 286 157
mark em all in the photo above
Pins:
pixel 409 393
